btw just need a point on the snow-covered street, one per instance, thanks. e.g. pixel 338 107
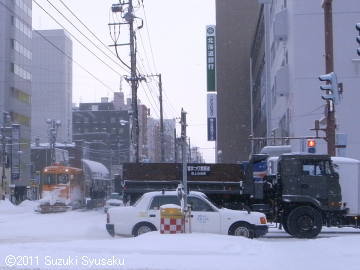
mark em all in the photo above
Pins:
pixel 78 239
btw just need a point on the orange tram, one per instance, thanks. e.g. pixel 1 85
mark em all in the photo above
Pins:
pixel 62 188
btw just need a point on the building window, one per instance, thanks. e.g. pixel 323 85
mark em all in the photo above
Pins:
pixel 19 71
pixel 18 47
pixel 20 95
pixel 23 7
pixel 21 119
pixel 22 27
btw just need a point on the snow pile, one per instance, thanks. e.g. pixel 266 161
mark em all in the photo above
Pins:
pixel 29 205
pixel 6 206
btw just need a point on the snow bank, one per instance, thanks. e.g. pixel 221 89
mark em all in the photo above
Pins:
pixel 29 205
pixel 6 206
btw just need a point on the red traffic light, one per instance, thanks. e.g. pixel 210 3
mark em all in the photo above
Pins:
pixel 311 143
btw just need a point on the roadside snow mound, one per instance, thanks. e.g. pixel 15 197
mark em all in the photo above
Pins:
pixel 6 206
pixel 29 205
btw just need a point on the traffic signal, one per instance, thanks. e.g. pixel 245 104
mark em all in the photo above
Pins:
pixel 331 88
pixel 311 146
pixel 358 37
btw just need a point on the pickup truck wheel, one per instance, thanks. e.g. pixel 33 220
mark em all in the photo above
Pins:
pixel 142 228
pixel 241 229
pixel 304 222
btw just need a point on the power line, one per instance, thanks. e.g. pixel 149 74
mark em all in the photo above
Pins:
pixel 148 34
pixel 69 57
pixel 151 104
pixel 92 33
pixel 152 55
pixel 77 63
pixel 82 44
pixel 85 35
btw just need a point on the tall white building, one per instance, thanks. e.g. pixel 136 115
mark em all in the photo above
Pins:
pixel 52 84
pixel 15 89
pixel 295 57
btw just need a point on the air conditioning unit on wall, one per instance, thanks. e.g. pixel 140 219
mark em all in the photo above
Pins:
pixel 282 81
pixel 281 25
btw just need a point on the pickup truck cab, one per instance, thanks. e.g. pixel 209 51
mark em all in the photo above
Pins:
pixel 144 216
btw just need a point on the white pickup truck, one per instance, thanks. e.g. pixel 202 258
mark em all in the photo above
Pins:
pixel 144 216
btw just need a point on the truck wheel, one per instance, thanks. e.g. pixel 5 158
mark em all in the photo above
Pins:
pixel 286 229
pixel 142 228
pixel 284 224
pixel 241 229
pixel 304 222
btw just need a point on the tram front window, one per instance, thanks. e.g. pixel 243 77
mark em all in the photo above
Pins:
pixel 63 179
pixel 50 179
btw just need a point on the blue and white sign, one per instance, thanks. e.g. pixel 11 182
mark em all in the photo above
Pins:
pixel 211 116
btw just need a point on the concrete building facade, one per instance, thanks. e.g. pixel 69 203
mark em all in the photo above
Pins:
pixel 154 140
pixel 235 27
pixel 107 132
pixel 15 84
pixel 296 49
pixel 52 84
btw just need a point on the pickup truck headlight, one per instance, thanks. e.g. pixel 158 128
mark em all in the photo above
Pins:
pixel 263 220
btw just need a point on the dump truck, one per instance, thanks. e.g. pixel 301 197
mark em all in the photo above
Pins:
pixel 301 192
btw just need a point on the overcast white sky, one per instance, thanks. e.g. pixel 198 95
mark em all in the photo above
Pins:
pixel 177 34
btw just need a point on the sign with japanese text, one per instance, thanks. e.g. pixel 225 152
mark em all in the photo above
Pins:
pixel 211 116
pixel 211 58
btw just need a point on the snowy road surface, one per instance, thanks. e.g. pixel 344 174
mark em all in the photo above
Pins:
pixel 78 240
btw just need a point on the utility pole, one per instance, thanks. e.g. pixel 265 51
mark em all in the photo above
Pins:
pixel 133 80
pixel 184 156
pixel 53 126
pixel 4 156
pixel 162 136
pixel 189 150
pixel 3 163
pixel 175 147
pixel 129 17
pixel 329 62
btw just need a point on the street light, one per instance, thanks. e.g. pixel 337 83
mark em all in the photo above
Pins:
pixel 53 127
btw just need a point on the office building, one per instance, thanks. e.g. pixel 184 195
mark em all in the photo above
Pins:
pixel 15 90
pixel 235 26
pixel 295 58
pixel 52 84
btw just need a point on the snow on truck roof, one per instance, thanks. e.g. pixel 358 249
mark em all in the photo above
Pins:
pixel 344 160
pixel 171 192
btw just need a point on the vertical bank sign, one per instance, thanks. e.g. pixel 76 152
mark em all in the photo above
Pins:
pixel 211 81
pixel 211 116
pixel 210 58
